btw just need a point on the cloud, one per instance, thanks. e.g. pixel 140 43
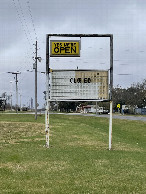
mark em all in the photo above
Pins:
pixel 124 19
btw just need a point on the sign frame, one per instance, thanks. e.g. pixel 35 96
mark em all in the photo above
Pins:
pixel 47 129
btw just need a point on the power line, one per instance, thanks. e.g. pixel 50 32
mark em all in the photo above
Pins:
pixel 24 20
pixel 30 12
pixel 19 17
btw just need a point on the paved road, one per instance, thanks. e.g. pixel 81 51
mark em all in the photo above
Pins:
pixel 134 118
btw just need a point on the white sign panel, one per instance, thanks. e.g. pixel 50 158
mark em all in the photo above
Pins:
pixel 79 85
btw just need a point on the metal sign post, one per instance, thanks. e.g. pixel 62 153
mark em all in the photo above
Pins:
pixel 47 93
pixel 75 79
pixel 110 125
pixel 111 91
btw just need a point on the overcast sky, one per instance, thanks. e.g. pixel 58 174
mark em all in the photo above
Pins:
pixel 25 21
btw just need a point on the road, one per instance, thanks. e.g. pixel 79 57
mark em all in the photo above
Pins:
pixel 126 117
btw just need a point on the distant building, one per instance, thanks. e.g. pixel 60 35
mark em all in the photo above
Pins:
pixel 91 109
pixel 2 103
pixel 128 109
pixel 141 111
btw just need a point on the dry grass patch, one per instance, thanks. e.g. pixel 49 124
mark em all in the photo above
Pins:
pixel 13 132
pixel 51 166
pixel 84 140
pixel 127 147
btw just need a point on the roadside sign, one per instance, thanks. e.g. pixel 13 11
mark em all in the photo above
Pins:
pixel 64 48
pixel 76 85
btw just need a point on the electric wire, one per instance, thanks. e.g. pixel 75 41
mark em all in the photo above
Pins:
pixel 30 13
pixel 23 27
pixel 24 20
pixel 26 23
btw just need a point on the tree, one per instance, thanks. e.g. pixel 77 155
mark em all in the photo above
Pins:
pixel 134 95
pixel 68 106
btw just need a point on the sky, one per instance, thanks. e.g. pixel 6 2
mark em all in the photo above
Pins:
pixel 23 22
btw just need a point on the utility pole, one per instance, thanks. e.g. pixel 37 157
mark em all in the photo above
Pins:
pixel 31 104
pixel 16 73
pixel 35 67
pixel 11 94
pixel 20 102
pixel 36 82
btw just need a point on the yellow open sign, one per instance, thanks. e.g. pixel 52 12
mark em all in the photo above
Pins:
pixel 64 48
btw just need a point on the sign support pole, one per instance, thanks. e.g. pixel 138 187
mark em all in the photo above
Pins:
pixel 47 93
pixel 110 125
pixel 47 123
pixel 111 89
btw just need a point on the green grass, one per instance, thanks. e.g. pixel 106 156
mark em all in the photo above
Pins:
pixel 78 160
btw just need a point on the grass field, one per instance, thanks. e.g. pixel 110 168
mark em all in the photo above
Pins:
pixel 78 160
